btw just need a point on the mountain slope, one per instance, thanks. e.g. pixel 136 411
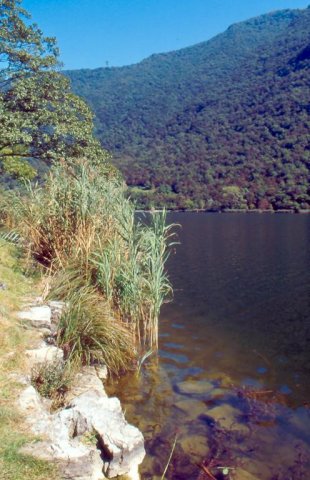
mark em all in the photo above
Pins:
pixel 224 123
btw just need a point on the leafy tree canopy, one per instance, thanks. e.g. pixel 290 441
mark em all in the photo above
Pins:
pixel 40 118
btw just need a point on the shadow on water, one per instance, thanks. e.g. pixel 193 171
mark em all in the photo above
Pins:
pixel 232 376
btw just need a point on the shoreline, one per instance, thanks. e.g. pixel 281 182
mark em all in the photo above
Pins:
pixel 59 439
pixel 235 210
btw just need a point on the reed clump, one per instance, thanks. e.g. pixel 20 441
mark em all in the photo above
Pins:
pixel 108 266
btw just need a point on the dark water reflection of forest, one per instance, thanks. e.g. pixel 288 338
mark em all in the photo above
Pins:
pixel 239 322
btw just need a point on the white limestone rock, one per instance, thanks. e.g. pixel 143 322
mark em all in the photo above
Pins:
pixel 46 354
pixel 85 381
pixel 59 444
pixel 38 317
pixel 29 400
pixel 120 446
pixel 57 307
pixel 35 408
pixel 122 443
pixel 102 372
pixel 81 463
pixel 74 460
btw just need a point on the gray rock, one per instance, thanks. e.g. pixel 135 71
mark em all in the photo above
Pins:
pixel 85 381
pixel 102 372
pixel 121 446
pixel 195 445
pixel 38 317
pixel 122 443
pixel 74 463
pixel 57 307
pixel 46 354
pixel 31 404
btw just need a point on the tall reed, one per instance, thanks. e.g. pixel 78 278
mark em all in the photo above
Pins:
pixel 81 226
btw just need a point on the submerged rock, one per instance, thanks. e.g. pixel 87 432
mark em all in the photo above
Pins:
pixel 191 387
pixel 241 474
pixel 227 417
pixel 196 446
pixel 192 408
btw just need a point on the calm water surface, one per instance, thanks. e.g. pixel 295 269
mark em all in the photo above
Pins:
pixel 239 323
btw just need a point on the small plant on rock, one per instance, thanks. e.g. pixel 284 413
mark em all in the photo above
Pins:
pixel 52 381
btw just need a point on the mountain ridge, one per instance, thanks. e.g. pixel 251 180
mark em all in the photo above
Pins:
pixel 180 124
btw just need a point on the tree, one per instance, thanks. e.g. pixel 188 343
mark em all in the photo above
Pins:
pixel 40 117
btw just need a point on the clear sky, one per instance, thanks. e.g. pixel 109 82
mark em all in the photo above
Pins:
pixel 91 33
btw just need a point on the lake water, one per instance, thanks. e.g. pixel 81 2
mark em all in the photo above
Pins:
pixel 231 382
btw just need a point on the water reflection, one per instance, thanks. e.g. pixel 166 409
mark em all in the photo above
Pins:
pixel 239 320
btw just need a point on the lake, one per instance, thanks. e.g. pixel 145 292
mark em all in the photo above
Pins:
pixel 230 385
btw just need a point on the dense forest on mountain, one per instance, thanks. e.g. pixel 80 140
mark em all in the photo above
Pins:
pixel 222 124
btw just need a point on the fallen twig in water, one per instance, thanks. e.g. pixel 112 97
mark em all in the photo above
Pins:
pixel 206 471
pixel 169 459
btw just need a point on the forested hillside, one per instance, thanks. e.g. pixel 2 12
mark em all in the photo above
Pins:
pixel 224 123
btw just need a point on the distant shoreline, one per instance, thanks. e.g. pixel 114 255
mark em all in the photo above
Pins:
pixel 235 210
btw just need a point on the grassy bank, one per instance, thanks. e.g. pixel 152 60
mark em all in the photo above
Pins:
pixel 13 340
pixel 106 266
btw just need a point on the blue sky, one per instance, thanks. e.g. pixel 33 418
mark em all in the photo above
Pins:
pixel 91 33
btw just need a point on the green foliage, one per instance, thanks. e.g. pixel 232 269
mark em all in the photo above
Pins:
pixel 19 168
pixel 136 282
pixel 52 381
pixel 230 111
pixel 39 115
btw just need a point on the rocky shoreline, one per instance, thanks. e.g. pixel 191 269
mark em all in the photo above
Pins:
pixel 89 437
